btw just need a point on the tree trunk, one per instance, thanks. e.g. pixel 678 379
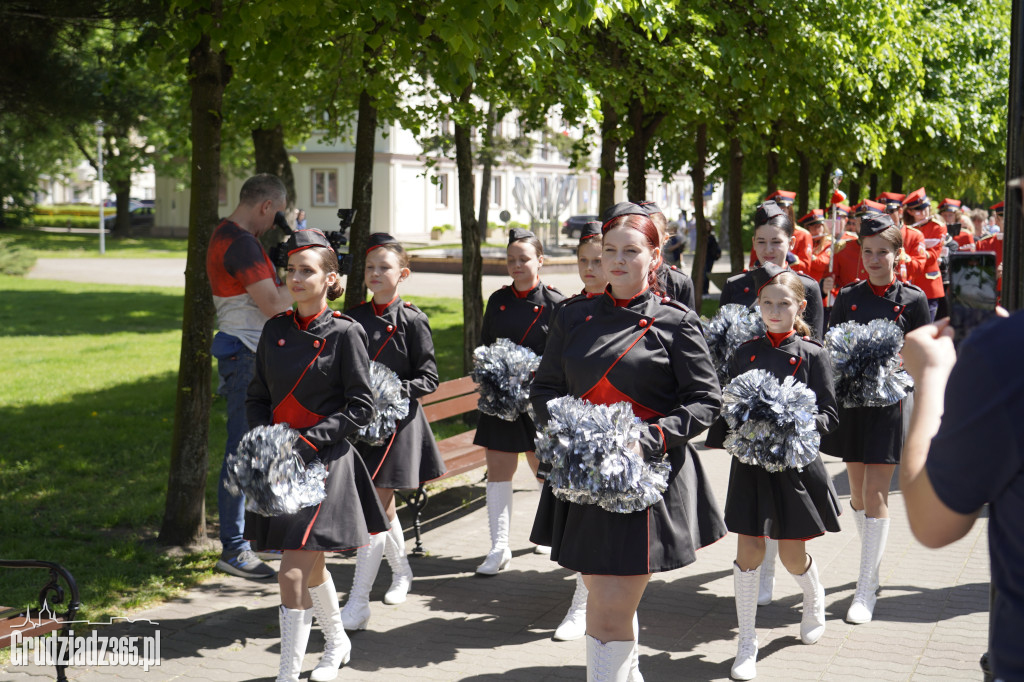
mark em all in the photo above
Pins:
pixel 609 154
pixel 896 180
pixel 804 185
pixel 824 189
pixel 644 127
pixel 487 139
pixel 272 157
pixel 853 198
pixel 472 262
pixel 736 260
pixel 700 251
pixel 184 521
pixel 873 186
pixel 123 192
pixel 362 200
pixel 772 165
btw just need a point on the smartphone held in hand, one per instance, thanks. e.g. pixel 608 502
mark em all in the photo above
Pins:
pixel 972 293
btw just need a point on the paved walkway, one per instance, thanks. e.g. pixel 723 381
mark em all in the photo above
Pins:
pixel 931 618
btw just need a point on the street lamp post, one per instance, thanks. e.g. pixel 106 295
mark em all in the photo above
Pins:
pixel 99 156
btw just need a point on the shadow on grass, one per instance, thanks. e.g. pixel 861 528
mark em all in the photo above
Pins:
pixel 65 311
pixel 83 483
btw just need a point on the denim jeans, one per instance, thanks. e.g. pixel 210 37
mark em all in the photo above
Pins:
pixel 235 372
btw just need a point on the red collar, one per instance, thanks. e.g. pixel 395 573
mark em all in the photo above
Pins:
pixel 776 338
pixel 378 310
pixel 524 294
pixel 623 302
pixel 303 322
pixel 880 291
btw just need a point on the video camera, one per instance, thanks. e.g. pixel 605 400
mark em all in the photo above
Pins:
pixel 337 238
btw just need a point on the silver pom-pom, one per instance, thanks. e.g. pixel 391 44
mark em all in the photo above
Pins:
pixel 731 327
pixel 503 371
pixel 271 475
pixel 866 364
pixel 771 425
pixel 389 405
pixel 591 452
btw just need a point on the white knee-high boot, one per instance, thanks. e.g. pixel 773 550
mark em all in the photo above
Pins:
pixel 499 516
pixel 608 661
pixel 356 614
pixel 337 646
pixel 295 627
pixel 746 587
pixel 812 622
pixel 858 520
pixel 771 552
pixel 574 625
pixel 401 572
pixel 876 532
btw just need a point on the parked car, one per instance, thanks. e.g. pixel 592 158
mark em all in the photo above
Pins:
pixel 573 227
pixel 142 217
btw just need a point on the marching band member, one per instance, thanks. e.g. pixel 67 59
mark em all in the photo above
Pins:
pixel 399 337
pixel 671 280
pixel 917 212
pixel 634 345
pixel 821 252
pixel 915 256
pixel 951 211
pixel 312 362
pixel 994 243
pixel 870 439
pixel 790 506
pixel 521 313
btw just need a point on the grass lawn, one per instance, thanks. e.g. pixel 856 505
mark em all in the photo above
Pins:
pixel 67 245
pixel 86 403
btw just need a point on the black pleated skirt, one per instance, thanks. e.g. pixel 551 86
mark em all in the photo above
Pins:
pixel 784 505
pixel 344 520
pixel 871 435
pixel 409 459
pixel 497 434
pixel 664 537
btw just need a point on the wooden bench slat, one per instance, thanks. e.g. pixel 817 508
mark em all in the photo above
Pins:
pixel 450 408
pixel 448 389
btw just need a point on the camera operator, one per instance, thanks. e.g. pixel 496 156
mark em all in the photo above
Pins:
pixel 246 293
pixel 972 457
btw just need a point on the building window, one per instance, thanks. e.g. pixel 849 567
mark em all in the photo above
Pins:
pixel 441 189
pixel 325 188
pixel 496 191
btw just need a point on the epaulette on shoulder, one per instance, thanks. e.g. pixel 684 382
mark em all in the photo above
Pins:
pixel 913 287
pixel 284 313
pixel 841 244
pixel 849 286
pixel 412 307
pixel 338 315
pixel 911 228
pixel 813 341
pixel 573 299
pixel 756 338
pixel 669 301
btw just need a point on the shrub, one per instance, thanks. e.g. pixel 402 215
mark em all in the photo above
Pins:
pixel 15 259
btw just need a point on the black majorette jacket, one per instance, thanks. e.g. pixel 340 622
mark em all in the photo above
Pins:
pixel 315 379
pixel 522 319
pixel 902 303
pixel 650 353
pixel 742 289
pixel 798 356
pixel 400 339
pixel 677 284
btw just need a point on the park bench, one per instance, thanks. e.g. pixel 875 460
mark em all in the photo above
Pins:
pixel 452 398
pixel 43 619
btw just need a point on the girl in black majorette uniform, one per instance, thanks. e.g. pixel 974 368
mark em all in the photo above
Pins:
pixel 312 372
pixel 790 506
pixel 870 439
pixel 521 313
pixel 399 338
pixel 631 344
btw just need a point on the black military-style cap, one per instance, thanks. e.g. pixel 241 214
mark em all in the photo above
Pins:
pixel 622 209
pixel 590 230
pixel 380 239
pixel 872 224
pixel 518 234
pixel 766 212
pixel 765 274
pixel 305 239
pixel 650 207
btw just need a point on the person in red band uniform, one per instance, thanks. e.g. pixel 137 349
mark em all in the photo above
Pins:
pixel 671 280
pixel 952 213
pixel 312 372
pixel 870 439
pixel 848 267
pixel 790 506
pixel 521 313
pixel 773 239
pixel 399 338
pixel 821 253
pixel 994 244
pixel 633 345
pixel 917 213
